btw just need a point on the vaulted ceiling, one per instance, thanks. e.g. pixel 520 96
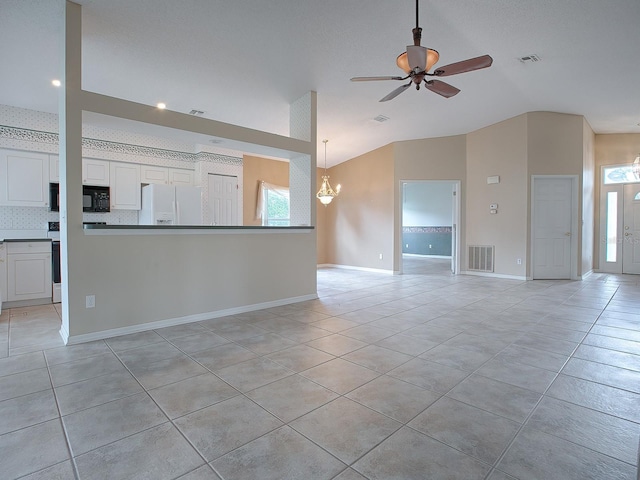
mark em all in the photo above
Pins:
pixel 244 61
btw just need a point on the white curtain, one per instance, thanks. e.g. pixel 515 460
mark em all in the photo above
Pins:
pixel 262 186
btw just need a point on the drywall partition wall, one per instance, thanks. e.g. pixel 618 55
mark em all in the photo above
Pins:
pixel 610 149
pixel 155 278
pixel 589 199
pixel 427 159
pixel 555 146
pixel 321 223
pixel 360 219
pixel 499 150
pixel 427 204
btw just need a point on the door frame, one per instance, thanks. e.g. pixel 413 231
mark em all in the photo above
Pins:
pixel 575 231
pixel 455 227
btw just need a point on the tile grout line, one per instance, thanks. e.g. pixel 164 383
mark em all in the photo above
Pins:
pixel 72 457
pixel 524 423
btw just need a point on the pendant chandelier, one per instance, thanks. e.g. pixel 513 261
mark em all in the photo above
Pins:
pixel 326 193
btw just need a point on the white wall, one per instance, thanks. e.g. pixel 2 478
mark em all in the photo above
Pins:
pixel 427 204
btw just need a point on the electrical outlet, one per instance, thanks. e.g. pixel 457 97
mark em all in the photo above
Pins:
pixel 380 256
pixel 91 301
pixel 519 261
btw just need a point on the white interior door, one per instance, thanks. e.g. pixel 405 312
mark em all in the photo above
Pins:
pixel 552 230
pixel 223 199
pixel 631 229
pixel 454 228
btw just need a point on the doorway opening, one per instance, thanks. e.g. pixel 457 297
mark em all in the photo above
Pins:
pixel 429 237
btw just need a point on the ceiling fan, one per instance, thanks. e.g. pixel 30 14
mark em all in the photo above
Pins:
pixel 418 60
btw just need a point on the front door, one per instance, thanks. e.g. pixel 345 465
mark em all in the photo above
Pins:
pixel 552 230
pixel 631 229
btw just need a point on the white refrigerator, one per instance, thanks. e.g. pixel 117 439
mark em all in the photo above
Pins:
pixel 171 205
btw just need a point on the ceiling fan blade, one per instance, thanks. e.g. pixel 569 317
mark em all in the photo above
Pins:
pixel 441 88
pixel 417 57
pixel 468 65
pixel 396 92
pixel 374 79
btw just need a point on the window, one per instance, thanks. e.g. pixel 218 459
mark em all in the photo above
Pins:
pixel 618 174
pixel 273 205
pixel 612 227
pixel 276 208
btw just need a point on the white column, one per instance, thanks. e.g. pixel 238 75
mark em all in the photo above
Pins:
pixel 70 151
pixel 302 169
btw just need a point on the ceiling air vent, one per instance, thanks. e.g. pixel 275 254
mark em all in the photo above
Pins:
pixel 530 58
pixel 381 118
pixel 197 113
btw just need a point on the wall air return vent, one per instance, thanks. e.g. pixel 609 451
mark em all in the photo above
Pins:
pixel 530 58
pixel 480 258
pixel 381 118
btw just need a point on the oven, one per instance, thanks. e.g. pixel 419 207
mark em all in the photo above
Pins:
pixel 54 235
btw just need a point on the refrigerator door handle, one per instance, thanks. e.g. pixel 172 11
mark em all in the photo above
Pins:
pixel 175 212
pixel 178 213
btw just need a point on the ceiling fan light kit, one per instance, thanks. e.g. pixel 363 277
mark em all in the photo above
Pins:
pixel 418 60
pixel 326 194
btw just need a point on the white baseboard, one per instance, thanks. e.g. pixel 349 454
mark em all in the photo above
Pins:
pixel 587 275
pixel 494 275
pixel 351 267
pixel 170 322
pixel 64 333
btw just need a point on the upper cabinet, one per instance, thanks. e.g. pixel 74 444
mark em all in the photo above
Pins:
pixel 152 174
pixel 54 168
pixel 178 176
pixel 125 188
pixel 95 172
pixel 165 176
pixel 24 179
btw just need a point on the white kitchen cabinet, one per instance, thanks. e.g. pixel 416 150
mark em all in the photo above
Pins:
pixel 24 179
pixel 125 188
pixel 152 174
pixel 28 270
pixel 3 274
pixel 54 168
pixel 179 176
pixel 95 172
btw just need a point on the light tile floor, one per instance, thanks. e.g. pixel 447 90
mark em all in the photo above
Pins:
pixel 419 376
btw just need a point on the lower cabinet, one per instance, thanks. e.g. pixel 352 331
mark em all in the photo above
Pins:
pixel 28 270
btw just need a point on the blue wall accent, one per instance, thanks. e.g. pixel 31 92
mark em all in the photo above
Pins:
pixel 427 240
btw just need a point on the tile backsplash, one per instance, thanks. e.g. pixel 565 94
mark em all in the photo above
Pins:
pixel 37 218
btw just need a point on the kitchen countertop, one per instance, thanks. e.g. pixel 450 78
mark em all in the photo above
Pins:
pixel 188 229
pixel 7 240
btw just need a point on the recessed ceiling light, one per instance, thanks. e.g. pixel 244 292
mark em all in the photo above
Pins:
pixel 55 82
pixel 161 106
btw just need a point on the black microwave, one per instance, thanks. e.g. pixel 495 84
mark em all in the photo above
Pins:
pixel 94 198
